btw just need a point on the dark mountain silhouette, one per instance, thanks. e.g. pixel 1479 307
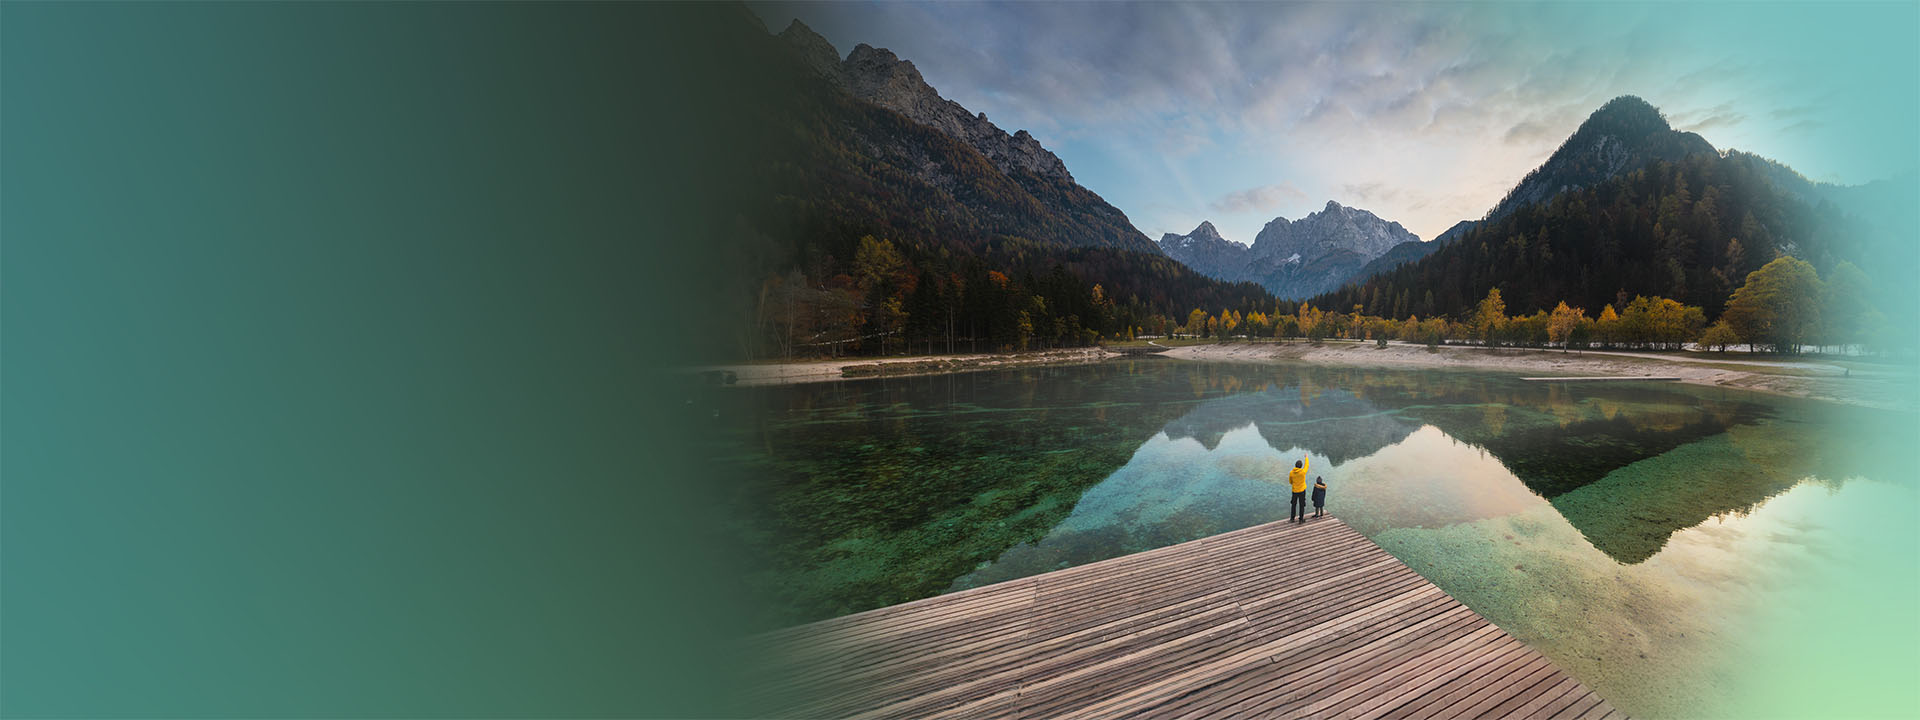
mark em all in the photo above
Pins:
pixel 1628 206
pixel 992 243
pixel 1625 134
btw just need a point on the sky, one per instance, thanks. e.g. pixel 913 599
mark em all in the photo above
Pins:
pixel 1423 114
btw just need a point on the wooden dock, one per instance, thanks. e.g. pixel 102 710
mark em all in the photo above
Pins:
pixel 1277 620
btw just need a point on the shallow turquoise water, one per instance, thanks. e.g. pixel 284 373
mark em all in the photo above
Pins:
pixel 1682 549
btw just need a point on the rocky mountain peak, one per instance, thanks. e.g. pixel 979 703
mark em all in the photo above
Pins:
pixel 1626 116
pixel 1334 228
pixel 1292 258
pixel 878 76
pixel 1016 165
pixel 818 53
pixel 1624 134
pixel 1206 251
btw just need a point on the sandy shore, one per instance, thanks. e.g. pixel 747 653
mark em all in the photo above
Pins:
pixel 777 373
pixel 1877 387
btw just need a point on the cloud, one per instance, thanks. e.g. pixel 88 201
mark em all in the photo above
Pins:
pixel 1197 105
pixel 1803 126
pixel 1790 113
pixel 1719 116
pixel 1263 198
pixel 1371 192
pixel 1710 122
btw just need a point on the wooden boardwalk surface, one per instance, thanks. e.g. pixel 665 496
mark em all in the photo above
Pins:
pixel 1277 620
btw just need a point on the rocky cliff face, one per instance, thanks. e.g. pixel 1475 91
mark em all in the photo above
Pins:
pixel 1320 252
pixel 1206 252
pixel 878 77
pixel 1335 228
pixel 1293 258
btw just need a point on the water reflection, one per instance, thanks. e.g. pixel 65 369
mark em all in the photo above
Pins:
pixel 1645 536
pixel 868 493
pixel 1625 465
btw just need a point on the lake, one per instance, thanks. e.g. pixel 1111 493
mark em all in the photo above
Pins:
pixel 1684 550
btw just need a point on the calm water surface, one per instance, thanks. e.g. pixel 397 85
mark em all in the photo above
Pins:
pixel 1687 551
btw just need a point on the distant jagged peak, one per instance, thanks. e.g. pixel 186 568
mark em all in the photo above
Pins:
pixel 1334 210
pixel 1203 234
pixel 1334 227
pixel 1206 252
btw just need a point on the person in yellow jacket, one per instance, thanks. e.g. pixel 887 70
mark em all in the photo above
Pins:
pixel 1297 477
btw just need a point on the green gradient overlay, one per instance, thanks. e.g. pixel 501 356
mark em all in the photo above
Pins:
pixel 329 343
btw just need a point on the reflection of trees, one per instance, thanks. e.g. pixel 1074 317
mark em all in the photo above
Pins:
pixel 1555 442
pixel 861 494
pixel 1631 514
pixel 1627 466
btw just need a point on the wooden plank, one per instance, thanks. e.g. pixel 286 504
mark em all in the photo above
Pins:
pixel 1551 682
pixel 1518 685
pixel 1279 619
pixel 1577 709
pixel 1560 690
pixel 1481 683
pixel 1269 690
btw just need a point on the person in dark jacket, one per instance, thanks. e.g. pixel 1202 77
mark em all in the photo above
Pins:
pixel 1319 496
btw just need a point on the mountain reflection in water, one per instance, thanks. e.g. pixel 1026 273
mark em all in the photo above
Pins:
pixel 1655 540
pixel 868 493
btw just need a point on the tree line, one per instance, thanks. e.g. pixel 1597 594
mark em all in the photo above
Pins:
pixel 886 303
pixel 1782 307
pixel 889 298
pixel 1691 231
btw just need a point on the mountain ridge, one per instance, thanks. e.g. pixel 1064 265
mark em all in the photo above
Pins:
pixel 1624 134
pixel 878 76
pixel 1292 258
pixel 877 231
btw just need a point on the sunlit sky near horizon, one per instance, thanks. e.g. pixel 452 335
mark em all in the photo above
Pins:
pixel 1422 114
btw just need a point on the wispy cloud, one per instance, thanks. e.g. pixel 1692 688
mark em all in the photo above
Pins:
pixel 1371 192
pixel 1260 199
pixel 1270 108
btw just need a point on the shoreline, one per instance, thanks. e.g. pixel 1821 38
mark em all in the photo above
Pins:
pixel 1812 380
pixel 805 371
pixel 1891 388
